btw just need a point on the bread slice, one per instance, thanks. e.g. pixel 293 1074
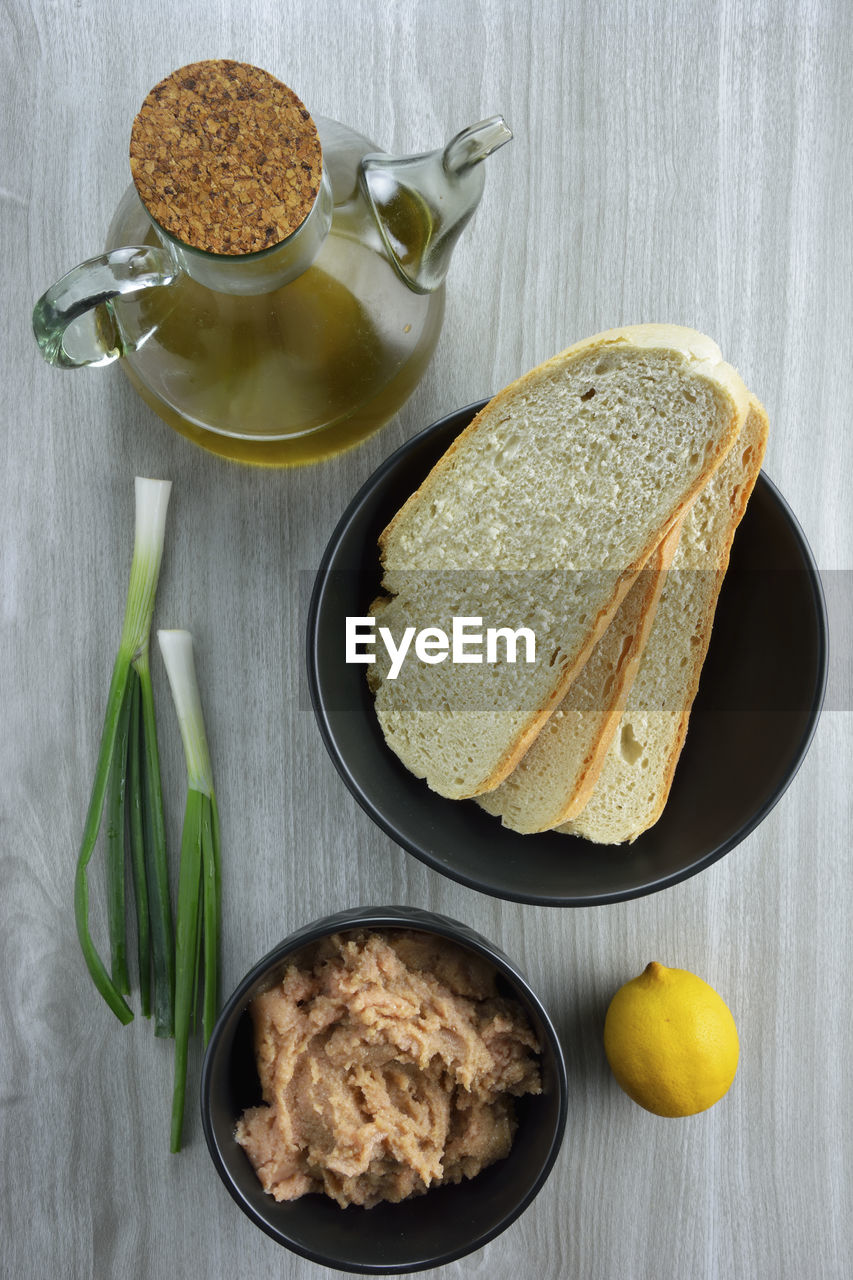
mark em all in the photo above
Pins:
pixel 541 514
pixel 635 781
pixel 554 780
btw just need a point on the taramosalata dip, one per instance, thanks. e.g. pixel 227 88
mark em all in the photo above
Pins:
pixel 388 1064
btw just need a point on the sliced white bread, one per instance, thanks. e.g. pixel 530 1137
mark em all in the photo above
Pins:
pixel 541 514
pixel 635 780
pixel 554 780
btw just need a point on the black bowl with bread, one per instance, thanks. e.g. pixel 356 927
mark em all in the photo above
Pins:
pixel 757 705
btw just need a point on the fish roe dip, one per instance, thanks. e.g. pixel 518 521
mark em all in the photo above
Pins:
pixel 388 1064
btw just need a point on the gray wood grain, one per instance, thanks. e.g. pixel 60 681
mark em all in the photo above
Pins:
pixel 672 161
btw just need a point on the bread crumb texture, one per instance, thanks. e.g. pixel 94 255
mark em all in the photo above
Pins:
pixel 573 469
pixel 225 157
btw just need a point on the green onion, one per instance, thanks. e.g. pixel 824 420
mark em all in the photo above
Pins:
pixel 115 847
pixel 156 864
pixel 198 914
pixel 136 802
pixel 187 932
pixel 152 499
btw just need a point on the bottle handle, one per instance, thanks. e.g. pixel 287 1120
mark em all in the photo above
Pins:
pixel 75 323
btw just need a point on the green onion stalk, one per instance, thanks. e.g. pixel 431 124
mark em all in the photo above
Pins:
pixel 199 895
pixel 127 784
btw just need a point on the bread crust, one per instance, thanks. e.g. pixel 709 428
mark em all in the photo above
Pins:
pixel 581 784
pixel 738 507
pixel 512 758
pixel 587 780
pixel 754 436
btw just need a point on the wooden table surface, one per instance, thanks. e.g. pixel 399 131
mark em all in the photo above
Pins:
pixel 672 161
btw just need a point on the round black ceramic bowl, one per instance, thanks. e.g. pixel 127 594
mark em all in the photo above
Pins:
pixel 758 704
pixel 429 1230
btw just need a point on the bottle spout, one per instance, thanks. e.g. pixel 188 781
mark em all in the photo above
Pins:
pixel 422 203
pixel 475 143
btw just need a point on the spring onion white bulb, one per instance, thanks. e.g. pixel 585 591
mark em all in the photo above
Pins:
pixel 177 650
pixel 198 914
pixel 152 503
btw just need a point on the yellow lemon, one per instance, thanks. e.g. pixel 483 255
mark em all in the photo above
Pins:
pixel 671 1041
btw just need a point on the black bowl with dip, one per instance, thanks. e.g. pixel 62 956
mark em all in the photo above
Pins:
pixel 426 1231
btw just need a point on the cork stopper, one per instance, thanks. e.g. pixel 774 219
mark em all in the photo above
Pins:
pixel 225 157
